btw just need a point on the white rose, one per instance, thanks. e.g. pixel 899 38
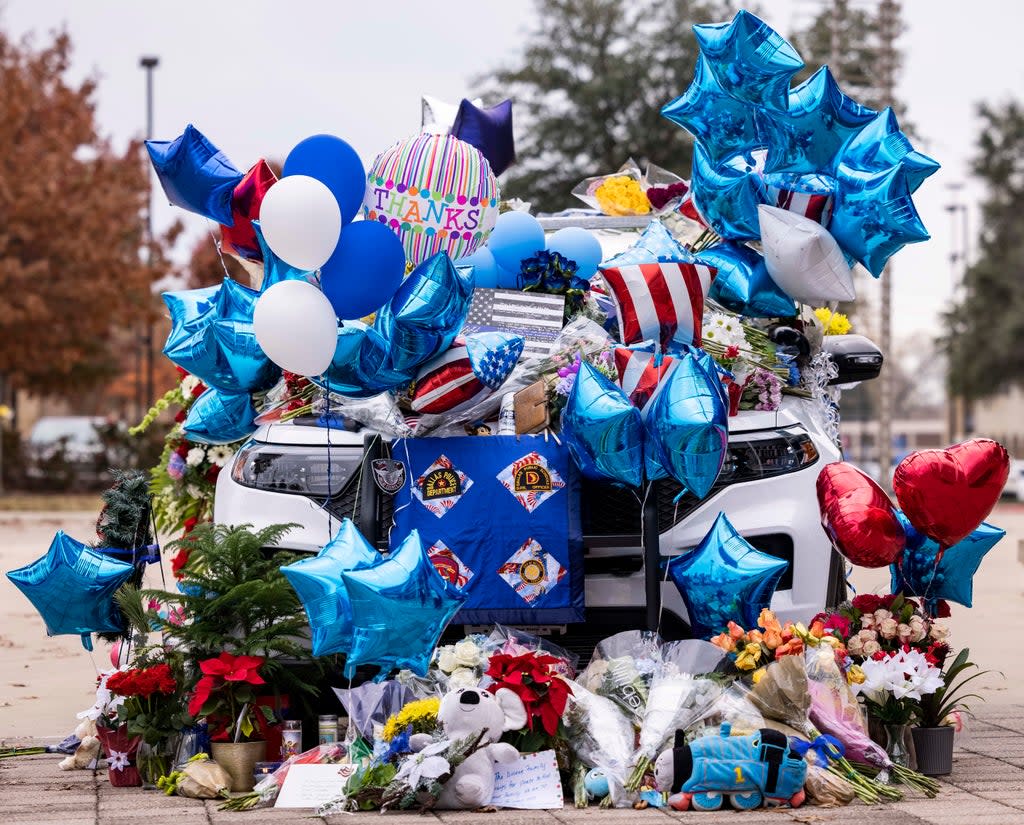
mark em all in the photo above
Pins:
pixel 467 654
pixel 463 677
pixel 888 628
pixel 917 633
pixel 871 648
pixel 916 622
pixel 904 631
pixel 446 660
pixel 855 646
pixel 195 457
pixel 867 636
pixel 867 621
pixel 881 615
pixel 939 631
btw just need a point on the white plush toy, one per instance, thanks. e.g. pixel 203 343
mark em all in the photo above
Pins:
pixel 464 713
pixel 88 749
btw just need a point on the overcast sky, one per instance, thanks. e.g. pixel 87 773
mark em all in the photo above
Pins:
pixel 258 76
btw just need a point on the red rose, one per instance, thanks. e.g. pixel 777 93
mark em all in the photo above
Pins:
pixel 180 416
pixel 182 449
pixel 212 473
pixel 178 563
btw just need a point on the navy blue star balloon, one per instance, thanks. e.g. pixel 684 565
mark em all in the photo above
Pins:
pixel 820 120
pixel 728 194
pixel 400 608
pixel 924 571
pixel 725 579
pixel 219 346
pixel 750 59
pixel 724 125
pixel 881 145
pixel 73 588
pixel 319 585
pixel 195 174
pixel 603 430
pixel 489 129
pixel 874 216
pixel 743 284
pixel 218 417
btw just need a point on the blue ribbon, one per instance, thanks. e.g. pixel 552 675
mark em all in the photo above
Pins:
pixel 148 553
pixel 825 747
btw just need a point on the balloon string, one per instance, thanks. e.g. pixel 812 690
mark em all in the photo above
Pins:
pixel 216 245
pixel 849 583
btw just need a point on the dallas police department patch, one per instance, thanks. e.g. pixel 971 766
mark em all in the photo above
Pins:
pixel 531 571
pixel 531 480
pixel 451 567
pixel 441 486
pixel 388 474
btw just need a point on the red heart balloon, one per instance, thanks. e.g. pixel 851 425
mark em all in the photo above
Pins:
pixel 947 493
pixel 858 516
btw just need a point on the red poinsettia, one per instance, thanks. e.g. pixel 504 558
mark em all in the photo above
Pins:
pixel 534 678
pixel 228 675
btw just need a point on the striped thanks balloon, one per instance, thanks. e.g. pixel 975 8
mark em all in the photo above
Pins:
pixel 436 192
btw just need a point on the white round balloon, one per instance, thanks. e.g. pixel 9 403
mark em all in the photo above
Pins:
pixel 301 221
pixel 296 326
pixel 803 258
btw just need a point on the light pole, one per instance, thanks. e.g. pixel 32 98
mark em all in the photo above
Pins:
pixel 148 63
pixel 959 411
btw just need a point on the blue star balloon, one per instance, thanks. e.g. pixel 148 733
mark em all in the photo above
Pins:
pixel 188 308
pixel 400 608
pixel 276 270
pixel 425 314
pixel 925 572
pixel 725 579
pixel 743 284
pixel 320 587
pixel 218 417
pixel 819 122
pixel 489 129
pixel 655 245
pixel 724 125
pixel 687 430
pixel 219 346
pixel 195 174
pixel 357 369
pixel 73 588
pixel 728 194
pixel 874 216
pixel 750 59
pixel 881 144
pixel 603 430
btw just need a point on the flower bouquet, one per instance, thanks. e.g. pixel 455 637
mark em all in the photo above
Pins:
pixel 461 664
pixel 619 194
pixel 622 669
pixel 676 700
pixel 782 693
pixel 601 736
pixel 120 748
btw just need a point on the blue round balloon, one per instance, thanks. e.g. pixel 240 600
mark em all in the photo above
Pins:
pixel 579 245
pixel 485 268
pixel 516 236
pixel 364 270
pixel 725 579
pixel 603 430
pixel 334 163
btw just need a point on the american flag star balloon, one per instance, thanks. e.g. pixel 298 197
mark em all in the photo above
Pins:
pixel 467 373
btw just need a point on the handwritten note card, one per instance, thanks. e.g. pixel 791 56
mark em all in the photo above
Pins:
pixel 310 786
pixel 532 783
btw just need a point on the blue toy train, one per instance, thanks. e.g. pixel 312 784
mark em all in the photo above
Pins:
pixel 749 770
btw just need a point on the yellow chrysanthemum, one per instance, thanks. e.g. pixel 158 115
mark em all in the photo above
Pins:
pixel 621 195
pixel 421 714
pixel 834 323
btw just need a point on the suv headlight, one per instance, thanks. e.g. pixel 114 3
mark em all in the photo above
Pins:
pixel 757 455
pixel 319 472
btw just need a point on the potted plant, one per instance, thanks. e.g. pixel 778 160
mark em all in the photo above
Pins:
pixel 226 695
pixel 152 711
pixel 933 735
pixel 235 602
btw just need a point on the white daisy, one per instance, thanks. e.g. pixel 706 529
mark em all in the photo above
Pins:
pixel 220 454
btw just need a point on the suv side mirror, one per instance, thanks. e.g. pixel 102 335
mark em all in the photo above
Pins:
pixel 857 358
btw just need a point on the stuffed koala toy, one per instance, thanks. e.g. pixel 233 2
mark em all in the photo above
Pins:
pixel 464 713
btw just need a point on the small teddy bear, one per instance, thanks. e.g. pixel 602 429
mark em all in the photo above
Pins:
pixel 463 714
pixel 88 749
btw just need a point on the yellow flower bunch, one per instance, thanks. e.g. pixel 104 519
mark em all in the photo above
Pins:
pixel 421 714
pixel 621 195
pixel 834 323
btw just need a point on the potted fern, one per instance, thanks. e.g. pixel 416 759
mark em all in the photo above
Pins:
pixel 238 606
pixel 933 735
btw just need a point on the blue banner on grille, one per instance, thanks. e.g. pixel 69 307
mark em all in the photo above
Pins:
pixel 500 518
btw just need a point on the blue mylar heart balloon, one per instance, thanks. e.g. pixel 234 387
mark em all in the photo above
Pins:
pixel 603 430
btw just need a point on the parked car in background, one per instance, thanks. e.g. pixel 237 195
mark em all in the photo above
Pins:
pixel 66 451
pixel 1015 484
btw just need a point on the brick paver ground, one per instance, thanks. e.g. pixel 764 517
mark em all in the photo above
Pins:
pixel 985 788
